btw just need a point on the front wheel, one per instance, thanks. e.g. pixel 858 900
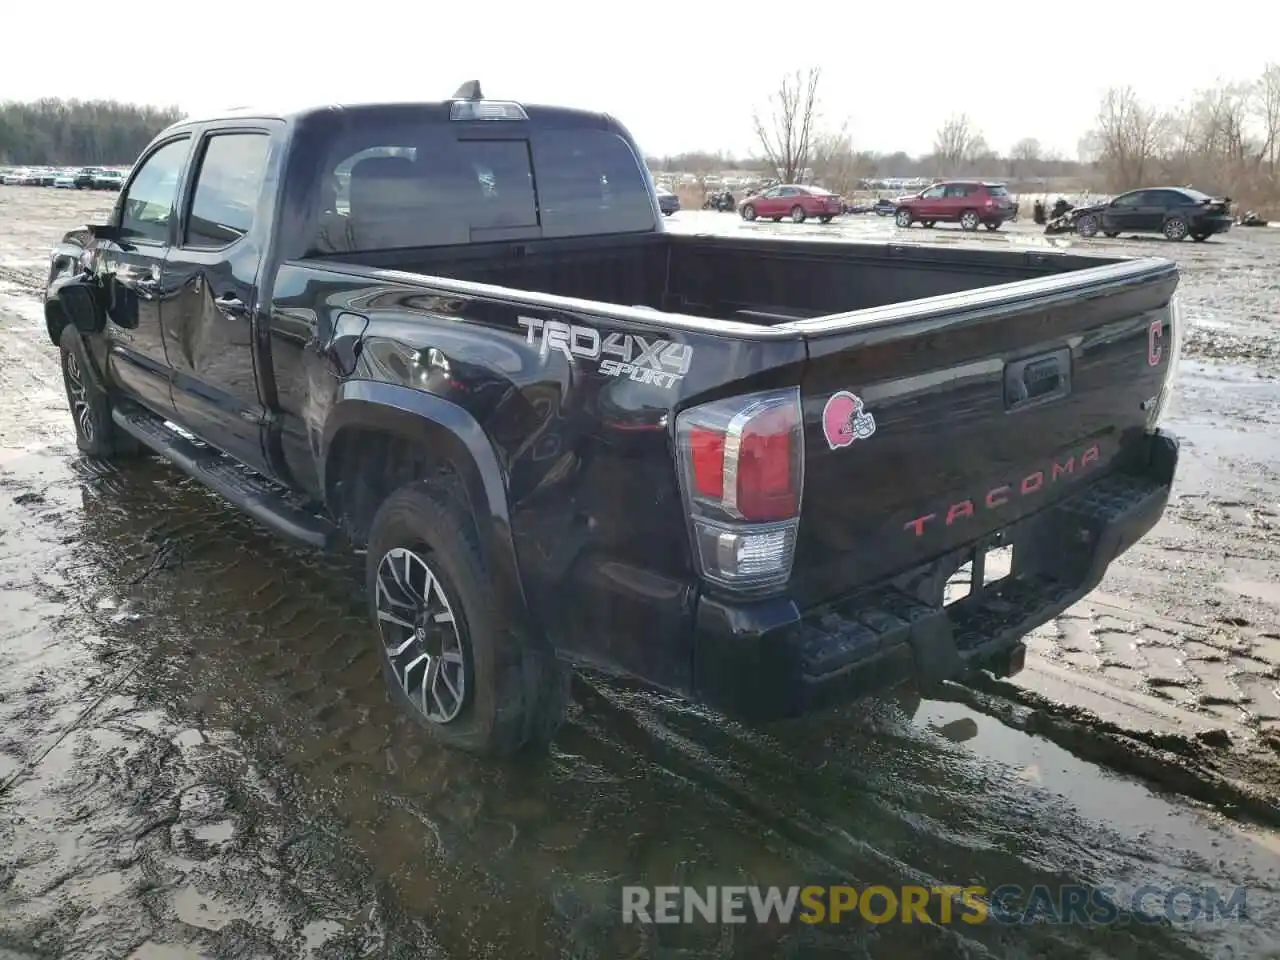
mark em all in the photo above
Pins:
pixel 1087 226
pixel 450 657
pixel 797 214
pixel 902 218
pixel 96 433
pixel 748 212
pixel 969 221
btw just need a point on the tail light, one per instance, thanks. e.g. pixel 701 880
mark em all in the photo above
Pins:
pixel 741 463
pixel 1177 331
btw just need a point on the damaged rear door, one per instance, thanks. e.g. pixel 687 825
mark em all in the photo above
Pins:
pixel 209 321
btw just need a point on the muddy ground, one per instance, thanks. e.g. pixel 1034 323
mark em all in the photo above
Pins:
pixel 197 758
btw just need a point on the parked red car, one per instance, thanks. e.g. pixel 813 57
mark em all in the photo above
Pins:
pixel 966 202
pixel 792 200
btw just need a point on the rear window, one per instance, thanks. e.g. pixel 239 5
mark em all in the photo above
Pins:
pixel 996 190
pixel 421 185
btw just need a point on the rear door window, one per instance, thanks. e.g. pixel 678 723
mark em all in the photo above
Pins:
pixel 228 186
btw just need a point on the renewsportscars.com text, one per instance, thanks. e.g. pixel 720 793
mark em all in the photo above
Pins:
pixel 1008 904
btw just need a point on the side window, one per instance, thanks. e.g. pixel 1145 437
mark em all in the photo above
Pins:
pixel 1135 199
pixel 958 190
pixel 933 193
pixel 772 192
pixel 147 205
pixel 1171 198
pixel 227 189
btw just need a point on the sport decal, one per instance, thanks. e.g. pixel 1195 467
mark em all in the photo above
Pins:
pixel 845 419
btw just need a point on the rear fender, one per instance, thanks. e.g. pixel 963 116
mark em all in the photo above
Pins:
pixel 453 435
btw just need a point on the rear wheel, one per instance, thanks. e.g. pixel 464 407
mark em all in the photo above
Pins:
pixel 903 217
pixel 797 214
pixel 450 658
pixel 96 433
pixel 1175 229
pixel 748 212
pixel 969 220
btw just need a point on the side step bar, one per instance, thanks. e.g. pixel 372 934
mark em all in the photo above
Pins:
pixel 268 504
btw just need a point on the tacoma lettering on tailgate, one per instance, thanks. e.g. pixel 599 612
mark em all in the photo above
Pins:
pixel 997 497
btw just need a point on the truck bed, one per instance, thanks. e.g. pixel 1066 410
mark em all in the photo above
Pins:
pixel 762 281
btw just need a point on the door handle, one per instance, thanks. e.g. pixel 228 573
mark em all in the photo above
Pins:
pixel 230 304
pixel 146 286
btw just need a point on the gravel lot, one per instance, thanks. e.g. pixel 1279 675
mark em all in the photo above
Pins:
pixel 197 758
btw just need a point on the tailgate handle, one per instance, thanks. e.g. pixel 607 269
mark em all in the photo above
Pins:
pixel 1038 379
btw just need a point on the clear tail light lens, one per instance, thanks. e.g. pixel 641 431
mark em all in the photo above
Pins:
pixel 1177 332
pixel 741 463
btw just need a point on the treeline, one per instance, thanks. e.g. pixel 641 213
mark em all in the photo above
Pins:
pixel 1224 140
pixel 57 132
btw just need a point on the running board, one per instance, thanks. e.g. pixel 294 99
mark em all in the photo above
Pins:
pixel 264 501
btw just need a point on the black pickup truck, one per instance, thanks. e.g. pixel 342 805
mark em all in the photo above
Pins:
pixel 457 337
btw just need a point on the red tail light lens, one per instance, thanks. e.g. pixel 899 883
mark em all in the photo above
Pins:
pixel 742 467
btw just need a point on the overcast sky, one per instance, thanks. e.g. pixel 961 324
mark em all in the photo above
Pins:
pixel 681 75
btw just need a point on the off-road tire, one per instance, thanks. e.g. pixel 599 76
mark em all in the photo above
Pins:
pixel 748 212
pixel 517 691
pixel 797 214
pixel 1176 229
pixel 96 433
pixel 969 221
pixel 902 217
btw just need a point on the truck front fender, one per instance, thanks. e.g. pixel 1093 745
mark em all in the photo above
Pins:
pixel 449 433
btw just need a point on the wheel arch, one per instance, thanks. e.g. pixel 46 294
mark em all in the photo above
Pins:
pixel 384 435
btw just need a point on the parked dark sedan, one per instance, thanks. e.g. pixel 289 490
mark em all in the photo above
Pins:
pixel 1176 212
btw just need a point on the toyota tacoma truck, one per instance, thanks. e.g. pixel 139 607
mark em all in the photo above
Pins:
pixel 456 336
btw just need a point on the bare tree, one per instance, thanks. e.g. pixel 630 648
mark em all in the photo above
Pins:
pixel 1266 104
pixel 1128 135
pixel 787 134
pixel 956 143
pixel 835 163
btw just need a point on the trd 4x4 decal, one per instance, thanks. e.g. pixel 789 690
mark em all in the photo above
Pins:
pixel 639 358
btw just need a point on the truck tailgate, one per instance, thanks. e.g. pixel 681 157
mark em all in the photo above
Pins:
pixel 931 425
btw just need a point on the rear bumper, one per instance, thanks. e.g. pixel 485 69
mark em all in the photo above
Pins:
pixel 768 659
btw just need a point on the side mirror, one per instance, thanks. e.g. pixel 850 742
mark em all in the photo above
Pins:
pixel 80 301
pixel 104 231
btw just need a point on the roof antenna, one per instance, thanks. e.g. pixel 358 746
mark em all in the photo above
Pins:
pixel 469 91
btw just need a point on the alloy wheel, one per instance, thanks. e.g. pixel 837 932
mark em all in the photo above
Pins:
pixel 420 635
pixel 81 412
